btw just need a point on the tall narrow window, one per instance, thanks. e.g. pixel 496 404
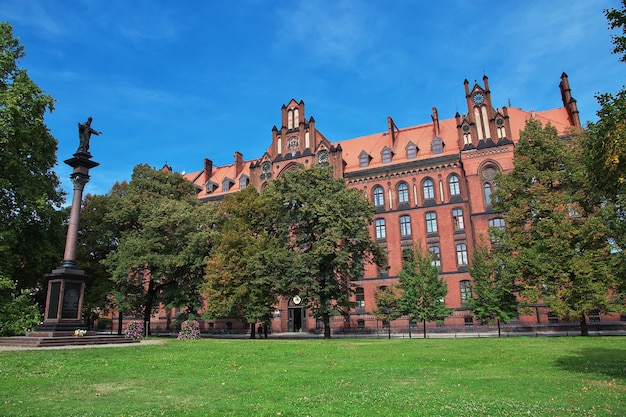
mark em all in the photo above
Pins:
pixel 403 193
pixel 290 119
pixel 360 298
pixel 429 189
pixel 435 256
pixel 296 118
pixel 457 218
pixel 461 254
pixel 453 183
pixel 405 226
pixel 431 222
pixel 379 196
pixel 466 292
pixel 487 188
pixel 381 232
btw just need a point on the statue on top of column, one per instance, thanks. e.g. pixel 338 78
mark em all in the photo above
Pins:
pixel 84 134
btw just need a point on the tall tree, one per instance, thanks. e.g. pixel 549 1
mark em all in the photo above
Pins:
pixel 422 290
pixel 605 147
pixel 327 227
pixel 32 232
pixel 165 234
pixel 494 296
pixel 97 238
pixel 245 262
pixel 557 243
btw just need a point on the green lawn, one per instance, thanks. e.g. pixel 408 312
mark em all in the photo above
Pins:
pixel 550 376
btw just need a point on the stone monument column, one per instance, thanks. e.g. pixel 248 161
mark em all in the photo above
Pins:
pixel 66 284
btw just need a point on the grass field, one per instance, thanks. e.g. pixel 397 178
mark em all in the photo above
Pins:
pixel 550 376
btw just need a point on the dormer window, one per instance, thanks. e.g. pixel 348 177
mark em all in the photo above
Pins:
pixel 244 180
pixel 364 159
pixel 386 155
pixel 411 150
pixel 226 184
pixel 437 146
pixel 211 186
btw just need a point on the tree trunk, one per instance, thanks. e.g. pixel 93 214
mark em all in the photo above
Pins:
pixel 498 321
pixel 326 319
pixel 584 331
pixel 409 326
pixel 120 320
pixel 252 331
pixel 424 321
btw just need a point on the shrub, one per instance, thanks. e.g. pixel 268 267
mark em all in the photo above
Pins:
pixel 134 330
pixel 189 329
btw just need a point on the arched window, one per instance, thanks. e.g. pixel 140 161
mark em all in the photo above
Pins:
pixel 453 184
pixel 381 232
pixel 296 118
pixel 405 226
pixel 431 222
pixel 457 219
pixel 290 119
pixel 403 193
pixel 428 188
pixel 379 196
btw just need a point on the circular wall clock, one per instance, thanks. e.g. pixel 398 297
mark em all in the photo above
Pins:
pixel 266 167
pixel 322 157
pixel 297 300
pixel 478 98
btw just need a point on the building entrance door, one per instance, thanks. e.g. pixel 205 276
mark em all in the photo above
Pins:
pixel 296 319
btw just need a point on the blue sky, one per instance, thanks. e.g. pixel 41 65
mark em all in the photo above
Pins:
pixel 180 81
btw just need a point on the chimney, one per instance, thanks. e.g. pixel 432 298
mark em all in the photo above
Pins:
pixel 435 118
pixel 208 170
pixel 568 101
pixel 238 163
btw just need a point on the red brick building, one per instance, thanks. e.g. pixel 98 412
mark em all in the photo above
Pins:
pixel 430 183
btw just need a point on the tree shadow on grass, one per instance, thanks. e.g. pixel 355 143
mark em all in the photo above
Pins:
pixel 601 361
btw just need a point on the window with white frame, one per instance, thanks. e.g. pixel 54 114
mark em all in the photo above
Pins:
pixel 461 254
pixel 431 222
pixel 435 256
pixel 428 187
pixel 381 232
pixel 457 219
pixel 405 226
pixel 453 183
pixel 403 193
pixel 466 292
pixel 379 196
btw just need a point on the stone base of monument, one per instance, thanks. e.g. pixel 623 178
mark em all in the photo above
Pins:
pixel 59 340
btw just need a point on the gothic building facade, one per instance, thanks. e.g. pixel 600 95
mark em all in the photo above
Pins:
pixel 430 184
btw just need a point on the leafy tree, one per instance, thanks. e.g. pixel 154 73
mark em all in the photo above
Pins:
pixel 245 262
pixel 617 20
pixel 32 234
pixel 556 240
pixel 165 233
pixel 494 294
pixel 97 238
pixel 388 306
pixel 18 314
pixel 422 291
pixel 327 227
